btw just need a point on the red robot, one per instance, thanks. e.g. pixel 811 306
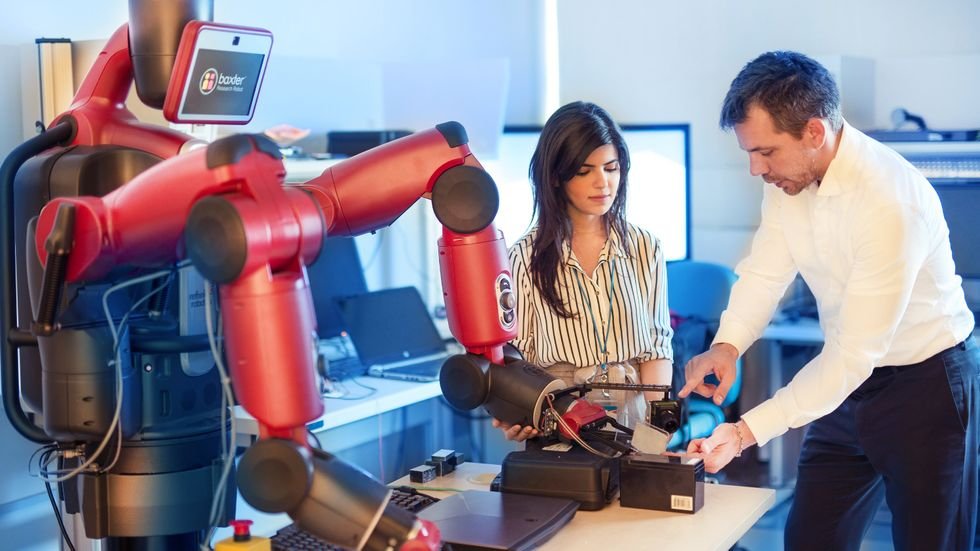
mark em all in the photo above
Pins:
pixel 162 198
pixel 225 207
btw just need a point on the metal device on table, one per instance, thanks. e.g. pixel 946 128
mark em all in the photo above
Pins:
pixel 518 392
pixel 101 198
pixel 524 394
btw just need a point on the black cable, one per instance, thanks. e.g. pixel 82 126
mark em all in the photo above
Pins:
pixel 608 441
pixel 362 385
pixel 620 426
pixel 372 392
pixel 54 504
pixel 30 460
pixel 57 515
pixel 315 438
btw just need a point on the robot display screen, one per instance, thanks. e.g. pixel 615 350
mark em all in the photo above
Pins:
pixel 219 75
pixel 225 81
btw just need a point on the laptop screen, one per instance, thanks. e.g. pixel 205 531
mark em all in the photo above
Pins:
pixel 390 325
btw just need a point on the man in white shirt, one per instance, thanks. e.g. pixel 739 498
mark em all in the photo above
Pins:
pixel 892 399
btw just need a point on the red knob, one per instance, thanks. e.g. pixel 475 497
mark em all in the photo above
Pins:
pixel 241 527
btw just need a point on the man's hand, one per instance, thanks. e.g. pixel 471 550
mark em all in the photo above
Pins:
pixel 722 446
pixel 718 360
pixel 516 433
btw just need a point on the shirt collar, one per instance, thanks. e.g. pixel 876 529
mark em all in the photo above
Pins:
pixel 613 248
pixel 614 245
pixel 837 179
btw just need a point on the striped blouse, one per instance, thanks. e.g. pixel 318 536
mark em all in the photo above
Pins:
pixel 640 318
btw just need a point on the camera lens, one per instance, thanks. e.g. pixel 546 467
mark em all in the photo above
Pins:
pixel 669 423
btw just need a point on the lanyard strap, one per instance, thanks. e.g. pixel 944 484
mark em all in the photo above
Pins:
pixel 595 326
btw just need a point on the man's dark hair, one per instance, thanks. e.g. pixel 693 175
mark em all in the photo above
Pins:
pixel 790 86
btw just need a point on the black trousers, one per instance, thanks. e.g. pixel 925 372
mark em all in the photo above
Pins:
pixel 909 435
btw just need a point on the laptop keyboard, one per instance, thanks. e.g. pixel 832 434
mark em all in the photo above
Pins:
pixel 294 538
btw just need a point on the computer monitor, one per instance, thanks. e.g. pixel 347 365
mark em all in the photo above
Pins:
pixel 961 205
pixel 952 166
pixel 659 182
pixel 335 274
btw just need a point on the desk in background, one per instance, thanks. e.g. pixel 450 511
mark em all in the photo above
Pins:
pixel 385 432
pixel 390 395
pixel 728 512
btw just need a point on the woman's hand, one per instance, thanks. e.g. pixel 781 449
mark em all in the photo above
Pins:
pixel 516 433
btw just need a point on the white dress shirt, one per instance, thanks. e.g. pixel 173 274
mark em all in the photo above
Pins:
pixel 872 244
pixel 639 325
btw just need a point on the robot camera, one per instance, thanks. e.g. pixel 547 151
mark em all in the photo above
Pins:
pixel 665 414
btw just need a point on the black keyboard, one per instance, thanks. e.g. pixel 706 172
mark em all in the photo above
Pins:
pixel 294 538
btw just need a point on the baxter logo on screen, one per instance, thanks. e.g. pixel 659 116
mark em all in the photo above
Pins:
pixel 209 81
pixel 212 80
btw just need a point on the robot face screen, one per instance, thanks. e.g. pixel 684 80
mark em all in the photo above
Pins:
pixel 217 74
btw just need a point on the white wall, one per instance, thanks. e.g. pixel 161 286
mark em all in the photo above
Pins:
pixel 337 65
pixel 381 31
pixel 657 61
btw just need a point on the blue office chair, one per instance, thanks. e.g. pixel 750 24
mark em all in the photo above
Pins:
pixel 698 292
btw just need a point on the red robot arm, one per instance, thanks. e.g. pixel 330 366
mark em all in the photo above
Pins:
pixel 98 111
pixel 225 207
pixel 245 230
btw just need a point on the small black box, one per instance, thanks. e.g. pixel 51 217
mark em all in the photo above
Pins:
pixel 456 459
pixel 442 455
pixel 442 467
pixel 422 474
pixel 574 474
pixel 662 482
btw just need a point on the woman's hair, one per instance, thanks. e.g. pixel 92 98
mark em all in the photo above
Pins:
pixel 571 134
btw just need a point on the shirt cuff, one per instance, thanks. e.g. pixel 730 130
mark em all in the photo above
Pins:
pixel 766 421
pixel 735 335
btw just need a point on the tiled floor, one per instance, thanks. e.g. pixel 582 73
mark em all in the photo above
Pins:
pixel 767 534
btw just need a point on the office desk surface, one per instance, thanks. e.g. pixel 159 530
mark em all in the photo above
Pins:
pixel 728 512
pixel 390 395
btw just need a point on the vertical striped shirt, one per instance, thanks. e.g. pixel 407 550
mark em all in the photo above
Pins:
pixel 639 324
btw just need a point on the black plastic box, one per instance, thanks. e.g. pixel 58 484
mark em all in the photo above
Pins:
pixel 662 482
pixel 442 467
pixel 422 474
pixel 575 474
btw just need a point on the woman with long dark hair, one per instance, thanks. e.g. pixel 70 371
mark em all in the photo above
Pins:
pixel 591 287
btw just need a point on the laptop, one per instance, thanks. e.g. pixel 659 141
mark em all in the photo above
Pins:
pixel 394 335
pixel 480 520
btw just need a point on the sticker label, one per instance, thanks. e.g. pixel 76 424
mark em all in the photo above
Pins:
pixel 683 503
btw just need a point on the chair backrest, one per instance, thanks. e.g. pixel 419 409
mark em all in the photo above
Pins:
pixel 700 290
